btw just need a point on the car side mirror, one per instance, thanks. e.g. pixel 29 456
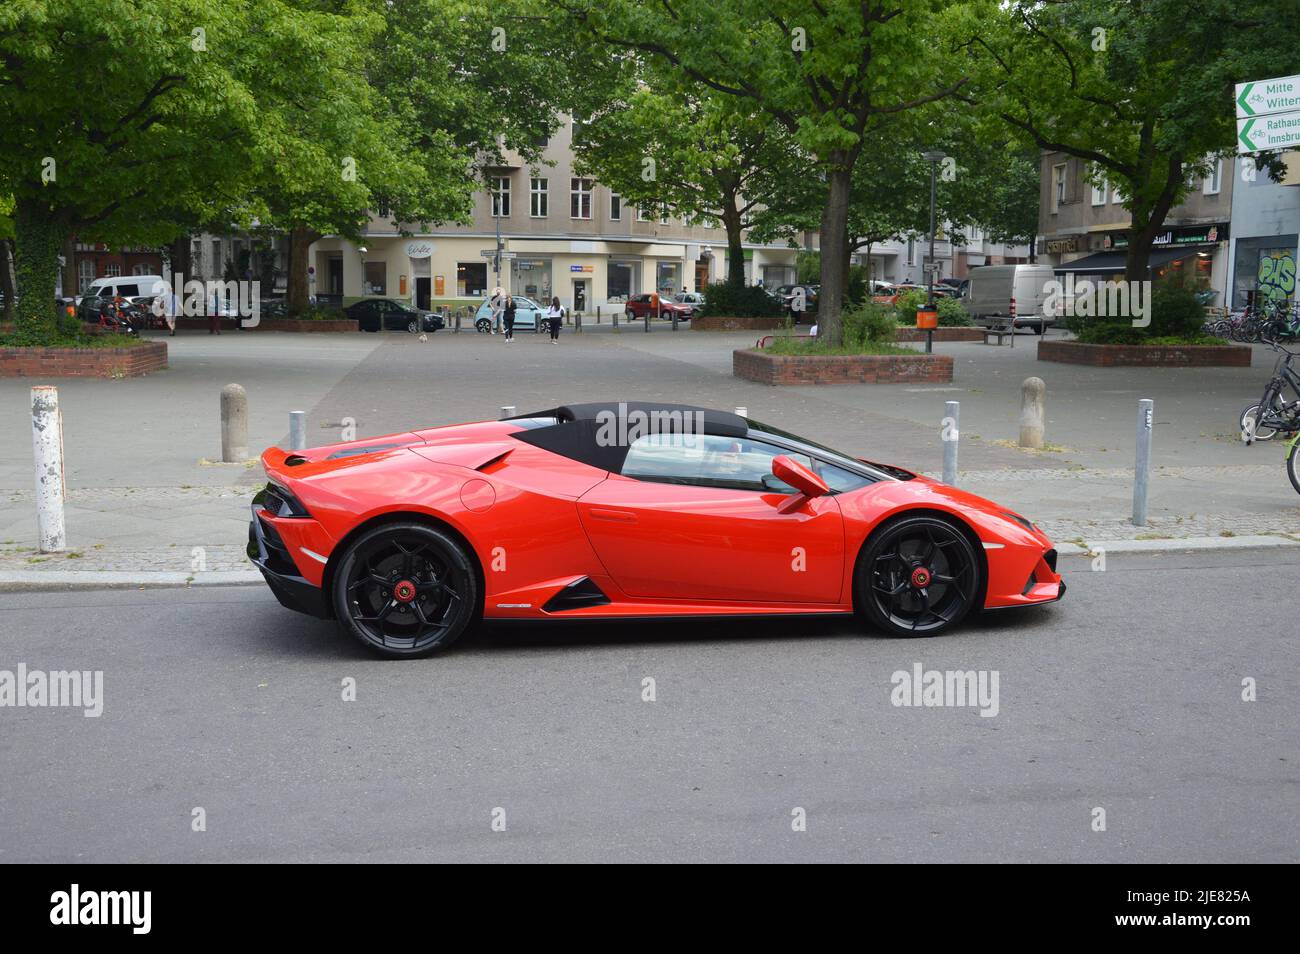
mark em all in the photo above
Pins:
pixel 798 476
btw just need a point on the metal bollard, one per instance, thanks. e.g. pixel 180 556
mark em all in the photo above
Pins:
pixel 674 321
pixel 647 322
pixel 297 430
pixel 1033 412
pixel 577 322
pixel 47 446
pixel 456 328
pixel 1142 466
pixel 234 424
pixel 616 321
pixel 951 437
pixel 507 410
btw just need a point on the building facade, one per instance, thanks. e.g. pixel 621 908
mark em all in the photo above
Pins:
pixel 1083 227
pixel 563 236
pixel 1266 217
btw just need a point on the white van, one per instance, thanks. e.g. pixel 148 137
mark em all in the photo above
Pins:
pixel 125 286
pixel 996 292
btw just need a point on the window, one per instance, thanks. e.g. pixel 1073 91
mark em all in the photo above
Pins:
pixel 707 460
pixel 500 196
pixel 471 279
pixel 642 214
pixel 615 207
pixel 578 125
pixel 141 268
pixel 1115 197
pixel 1214 181
pixel 214 266
pixel 112 271
pixel 621 279
pixel 1058 186
pixel 580 198
pixel 911 250
pixel 663 217
pixel 1099 190
pixel 85 273
pixel 539 195
pixel 376 279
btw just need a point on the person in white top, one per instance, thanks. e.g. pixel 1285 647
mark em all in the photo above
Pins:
pixel 555 315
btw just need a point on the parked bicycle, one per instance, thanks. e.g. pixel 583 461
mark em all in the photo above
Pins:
pixel 1276 414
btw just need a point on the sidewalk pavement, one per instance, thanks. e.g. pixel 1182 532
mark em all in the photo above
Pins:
pixel 146 501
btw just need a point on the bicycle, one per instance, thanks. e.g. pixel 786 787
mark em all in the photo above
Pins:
pixel 1274 414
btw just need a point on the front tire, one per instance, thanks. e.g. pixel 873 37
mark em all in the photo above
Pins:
pixel 918 576
pixel 483 325
pixel 1293 465
pixel 405 590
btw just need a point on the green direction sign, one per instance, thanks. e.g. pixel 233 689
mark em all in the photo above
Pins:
pixel 1280 131
pixel 1264 97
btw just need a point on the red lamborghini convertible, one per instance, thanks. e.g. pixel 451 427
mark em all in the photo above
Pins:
pixel 622 510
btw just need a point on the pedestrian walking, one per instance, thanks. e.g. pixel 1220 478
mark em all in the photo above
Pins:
pixel 214 314
pixel 555 315
pixel 498 306
pixel 509 315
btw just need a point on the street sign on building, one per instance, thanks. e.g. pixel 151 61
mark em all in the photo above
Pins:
pixel 1264 97
pixel 1277 131
pixel 491 253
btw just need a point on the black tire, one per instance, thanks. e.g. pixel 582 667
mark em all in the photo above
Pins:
pixel 917 576
pixel 1293 465
pixel 1039 328
pixel 1250 418
pixel 483 325
pixel 381 567
pixel 410 327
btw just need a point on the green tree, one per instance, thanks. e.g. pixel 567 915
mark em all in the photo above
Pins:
pixel 829 71
pixel 672 147
pixel 1140 89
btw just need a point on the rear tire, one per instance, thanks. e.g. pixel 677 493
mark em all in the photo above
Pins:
pixel 1293 466
pixel 918 576
pixel 405 590
pixel 1250 419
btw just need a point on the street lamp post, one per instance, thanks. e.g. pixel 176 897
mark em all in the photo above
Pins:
pixel 933 157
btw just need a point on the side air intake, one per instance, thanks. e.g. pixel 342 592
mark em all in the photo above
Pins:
pixel 576 595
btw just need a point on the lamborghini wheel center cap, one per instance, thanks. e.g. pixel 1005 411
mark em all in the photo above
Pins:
pixel 920 577
pixel 404 591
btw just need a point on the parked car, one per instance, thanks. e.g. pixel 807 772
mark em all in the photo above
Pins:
pixel 528 315
pixel 388 314
pixel 993 290
pixel 789 293
pixel 638 306
pixel 694 299
pixel 112 313
pixel 601 529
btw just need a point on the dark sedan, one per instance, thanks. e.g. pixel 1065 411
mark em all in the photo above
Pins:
pixel 387 314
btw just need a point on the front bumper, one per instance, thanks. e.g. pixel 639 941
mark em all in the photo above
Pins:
pixel 270 555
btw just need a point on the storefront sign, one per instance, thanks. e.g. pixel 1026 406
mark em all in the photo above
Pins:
pixel 1186 235
pixel 419 249
pixel 581 268
pixel 1057 246
pixel 439 285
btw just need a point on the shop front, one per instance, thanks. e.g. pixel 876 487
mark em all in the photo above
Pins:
pixel 1191 256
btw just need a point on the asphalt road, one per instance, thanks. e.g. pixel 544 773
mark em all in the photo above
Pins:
pixel 1126 696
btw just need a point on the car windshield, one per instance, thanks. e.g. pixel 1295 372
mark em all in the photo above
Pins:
pixel 829 454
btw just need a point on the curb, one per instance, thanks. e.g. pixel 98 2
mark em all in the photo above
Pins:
pixel 97 579
pixel 1183 544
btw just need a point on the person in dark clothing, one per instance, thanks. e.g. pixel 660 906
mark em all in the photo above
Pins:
pixel 509 316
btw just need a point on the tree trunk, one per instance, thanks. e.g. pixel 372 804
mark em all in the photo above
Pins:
pixel 299 293
pixel 38 239
pixel 835 216
pixel 181 257
pixel 7 277
pixel 735 248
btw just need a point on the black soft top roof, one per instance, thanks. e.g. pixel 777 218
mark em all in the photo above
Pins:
pixel 596 433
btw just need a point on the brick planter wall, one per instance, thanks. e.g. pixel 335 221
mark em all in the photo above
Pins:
pixel 841 369
pixel 1128 356
pixel 941 334
pixel 726 323
pixel 83 362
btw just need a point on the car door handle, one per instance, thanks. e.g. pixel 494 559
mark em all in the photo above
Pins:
pixel 619 516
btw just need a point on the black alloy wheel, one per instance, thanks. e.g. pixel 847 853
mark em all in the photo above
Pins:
pixel 917 577
pixel 405 589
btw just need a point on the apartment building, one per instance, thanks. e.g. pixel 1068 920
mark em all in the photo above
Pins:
pixel 1083 227
pixel 563 236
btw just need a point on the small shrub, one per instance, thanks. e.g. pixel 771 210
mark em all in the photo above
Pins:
pixel 951 313
pixel 868 324
pixel 740 301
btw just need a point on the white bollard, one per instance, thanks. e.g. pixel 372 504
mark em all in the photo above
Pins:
pixel 1033 413
pixel 234 424
pixel 47 445
pixel 507 411
pixel 950 436
pixel 1142 464
pixel 742 412
pixel 297 430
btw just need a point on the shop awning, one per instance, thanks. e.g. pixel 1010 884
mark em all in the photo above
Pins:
pixel 1107 262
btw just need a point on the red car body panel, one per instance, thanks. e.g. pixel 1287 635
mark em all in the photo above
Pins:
pixel 537 522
